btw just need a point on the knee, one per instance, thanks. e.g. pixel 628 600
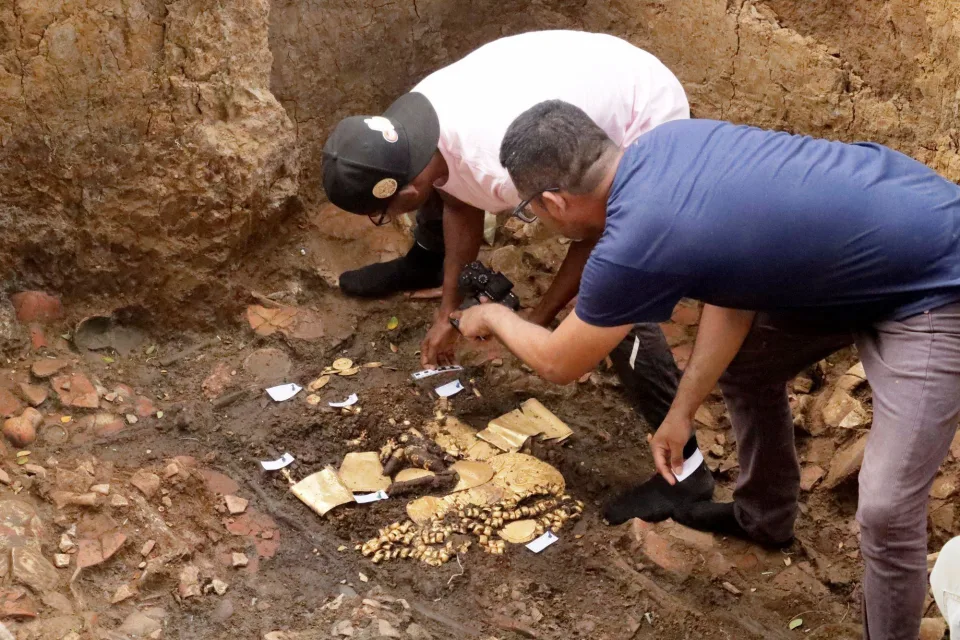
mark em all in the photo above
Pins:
pixel 886 523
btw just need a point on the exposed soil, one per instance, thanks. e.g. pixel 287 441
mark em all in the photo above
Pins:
pixel 633 581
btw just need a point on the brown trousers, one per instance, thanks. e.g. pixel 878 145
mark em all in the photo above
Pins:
pixel 913 367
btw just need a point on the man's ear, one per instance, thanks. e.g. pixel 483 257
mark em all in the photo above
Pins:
pixel 555 203
pixel 401 202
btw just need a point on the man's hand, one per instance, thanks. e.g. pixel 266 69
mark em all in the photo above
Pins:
pixel 437 346
pixel 668 443
pixel 474 322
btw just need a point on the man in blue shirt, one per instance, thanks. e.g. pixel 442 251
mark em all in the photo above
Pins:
pixel 798 247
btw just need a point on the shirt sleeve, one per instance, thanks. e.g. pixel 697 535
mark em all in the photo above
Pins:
pixel 612 295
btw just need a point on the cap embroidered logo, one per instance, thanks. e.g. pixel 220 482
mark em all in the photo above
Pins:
pixel 384 126
pixel 385 188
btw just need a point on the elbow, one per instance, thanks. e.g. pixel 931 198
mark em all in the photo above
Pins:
pixel 558 375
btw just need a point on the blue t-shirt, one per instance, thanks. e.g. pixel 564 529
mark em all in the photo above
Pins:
pixel 744 218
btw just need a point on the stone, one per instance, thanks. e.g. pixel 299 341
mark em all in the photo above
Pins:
pixel 699 540
pixel 147 483
pixel 102 489
pixel 132 419
pixel 659 550
pixel 705 417
pixel 219 586
pixel 36 306
pixel 147 547
pixel 235 504
pixel 803 384
pixel 19 431
pixel 94 551
pixel 846 463
pixel 189 586
pixel 140 624
pixel 387 630
pixel 840 405
pixel 10 405
pixel 853 378
pixel 943 517
pixel 58 601
pixel 343 628
pixel 732 589
pixel 943 487
pixel 61 560
pixel 35 395
pixel 46 367
pixel 76 390
pixel 416 632
pixel 117 500
pixel 15 603
pixel 30 568
pixel 34 470
pixel 67 544
pixel 932 629
pixel 4 477
pixel 239 560
pixel 216 482
pixel 810 476
pixel 125 592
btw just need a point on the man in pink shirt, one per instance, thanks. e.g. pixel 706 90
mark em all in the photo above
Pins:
pixel 436 151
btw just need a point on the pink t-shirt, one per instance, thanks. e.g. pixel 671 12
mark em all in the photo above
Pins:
pixel 625 90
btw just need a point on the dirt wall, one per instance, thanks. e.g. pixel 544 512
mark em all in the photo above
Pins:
pixel 846 69
pixel 140 146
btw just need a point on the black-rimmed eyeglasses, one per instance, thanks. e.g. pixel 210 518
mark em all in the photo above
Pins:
pixel 523 210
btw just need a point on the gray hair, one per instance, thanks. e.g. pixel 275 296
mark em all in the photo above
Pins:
pixel 554 145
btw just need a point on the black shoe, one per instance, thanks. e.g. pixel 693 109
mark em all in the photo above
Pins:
pixel 419 269
pixel 655 500
pixel 719 517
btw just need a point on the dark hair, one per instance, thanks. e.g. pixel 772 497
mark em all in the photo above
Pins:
pixel 554 144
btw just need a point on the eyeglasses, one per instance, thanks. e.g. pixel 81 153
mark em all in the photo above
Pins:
pixel 380 219
pixel 523 210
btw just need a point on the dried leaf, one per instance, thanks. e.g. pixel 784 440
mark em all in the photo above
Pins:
pixel 107 359
pixel 796 622
pixel 393 323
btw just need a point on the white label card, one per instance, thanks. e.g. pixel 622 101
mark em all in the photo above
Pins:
pixel 690 465
pixel 371 497
pixel 349 402
pixel 449 389
pixel 284 391
pixel 542 542
pixel 279 463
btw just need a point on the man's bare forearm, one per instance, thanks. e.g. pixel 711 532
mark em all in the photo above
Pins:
pixel 719 338
pixel 565 285
pixel 462 235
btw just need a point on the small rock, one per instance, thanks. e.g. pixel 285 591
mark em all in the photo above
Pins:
pixel 117 500
pixel 386 629
pixel 4 477
pixel 189 581
pixel 932 628
pixel 171 470
pixel 235 504
pixel 943 488
pixel 810 476
pixel 35 470
pixel 343 628
pixel 416 632
pixel 123 593
pixel 9 404
pixel 846 462
pixel 47 367
pixel 76 390
pixel 67 544
pixel 219 586
pixel 132 419
pixel 148 483
pixel 840 405
pixel 732 589
pixel 102 489
pixel 802 384
pixel 19 431
pixel 147 547
pixel 35 395
pixel 61 560
pixel 140 624
pixel 110 397
pixel 705 417
pixel 166 501
pixel 717 450
pixel 240 560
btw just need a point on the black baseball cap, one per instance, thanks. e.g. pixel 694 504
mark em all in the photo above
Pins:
pixel 369 158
